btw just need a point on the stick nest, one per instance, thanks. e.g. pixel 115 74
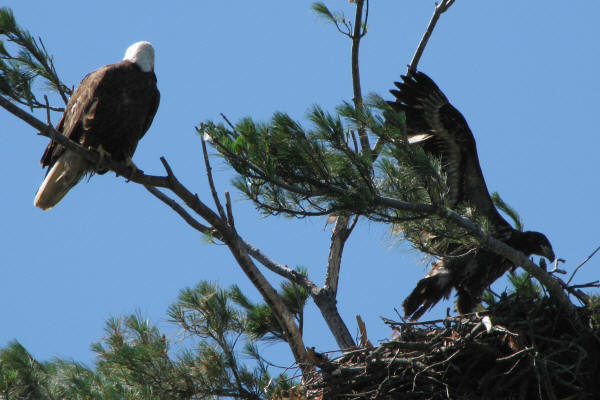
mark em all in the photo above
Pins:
pixel 530 351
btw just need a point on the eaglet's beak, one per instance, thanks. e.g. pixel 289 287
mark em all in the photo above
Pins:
pixel 548 253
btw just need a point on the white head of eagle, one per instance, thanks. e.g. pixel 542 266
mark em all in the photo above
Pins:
pixel 111 109
pixel 141 53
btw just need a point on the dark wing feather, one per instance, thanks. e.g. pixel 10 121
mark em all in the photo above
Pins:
pixel 449 137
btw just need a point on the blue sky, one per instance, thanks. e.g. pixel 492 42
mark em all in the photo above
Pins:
pixel 524 74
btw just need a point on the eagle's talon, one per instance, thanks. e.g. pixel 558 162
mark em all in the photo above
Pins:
pixel 133 168
pixel 103 154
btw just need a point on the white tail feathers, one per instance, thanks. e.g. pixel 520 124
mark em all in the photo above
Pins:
pixel 64 174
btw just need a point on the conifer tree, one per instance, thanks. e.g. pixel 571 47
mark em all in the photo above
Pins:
pixel 350 163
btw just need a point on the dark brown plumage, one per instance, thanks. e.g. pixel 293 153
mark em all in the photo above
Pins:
pixel 112 108
pixel 101 108
pixel 433 123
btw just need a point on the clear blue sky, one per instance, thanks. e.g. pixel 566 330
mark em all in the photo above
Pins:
pixel 524 74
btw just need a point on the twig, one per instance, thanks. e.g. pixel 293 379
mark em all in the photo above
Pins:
pixel 339 236
pixel 211 182
pixel 525 350
pixel 358 101
pixel 229 211
pixel 179 210
pixel 585 285
pixel 582 263
pixel 229 123
pixel 433 365
pixel 48 121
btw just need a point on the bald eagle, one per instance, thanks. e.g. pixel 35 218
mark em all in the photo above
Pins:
pixel 111 109
pixel 433 123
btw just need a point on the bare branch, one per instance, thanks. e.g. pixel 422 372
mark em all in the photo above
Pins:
pixel 440 8
pixel 358 101
pixel 48 121
pixel 209 176
pixel 582 263
pixel 179 210
pixel 229 211
pixel 338 240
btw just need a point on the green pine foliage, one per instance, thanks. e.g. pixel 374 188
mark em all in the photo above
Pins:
pixel 521 285
pixel 29 60
pixel 296 171
pixel 594 309
pixel 135 360
pixel 508 210
pixel 260 320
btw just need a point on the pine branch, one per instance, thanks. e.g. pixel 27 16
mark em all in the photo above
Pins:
pixel 508 210
pixel 32 60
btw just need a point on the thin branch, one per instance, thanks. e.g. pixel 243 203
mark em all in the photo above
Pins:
pixel 179 210
pixel 211 182
pixel 358 101
pixel 440 8
pixel 586 285
pixel 229 210
pixel 336 248
pixel 48 121
pixel 280 269
pixel 582 263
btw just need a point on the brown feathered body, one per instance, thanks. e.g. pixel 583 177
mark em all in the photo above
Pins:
pixel 433 123
pixel 112 107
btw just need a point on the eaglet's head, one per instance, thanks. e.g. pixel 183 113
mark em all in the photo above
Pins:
pixel 537 243
pixel 141 53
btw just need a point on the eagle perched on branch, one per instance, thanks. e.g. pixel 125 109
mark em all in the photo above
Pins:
pixel 433 123
pixel 110 111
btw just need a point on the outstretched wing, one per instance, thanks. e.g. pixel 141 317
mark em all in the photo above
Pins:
pixel 441 129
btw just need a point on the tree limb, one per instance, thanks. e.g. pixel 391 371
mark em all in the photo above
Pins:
pixel 211 182
pixel 440 8
pixel 358 101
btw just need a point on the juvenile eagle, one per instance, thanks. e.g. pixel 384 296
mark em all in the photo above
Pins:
pixel 433 123
pixel 111 109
